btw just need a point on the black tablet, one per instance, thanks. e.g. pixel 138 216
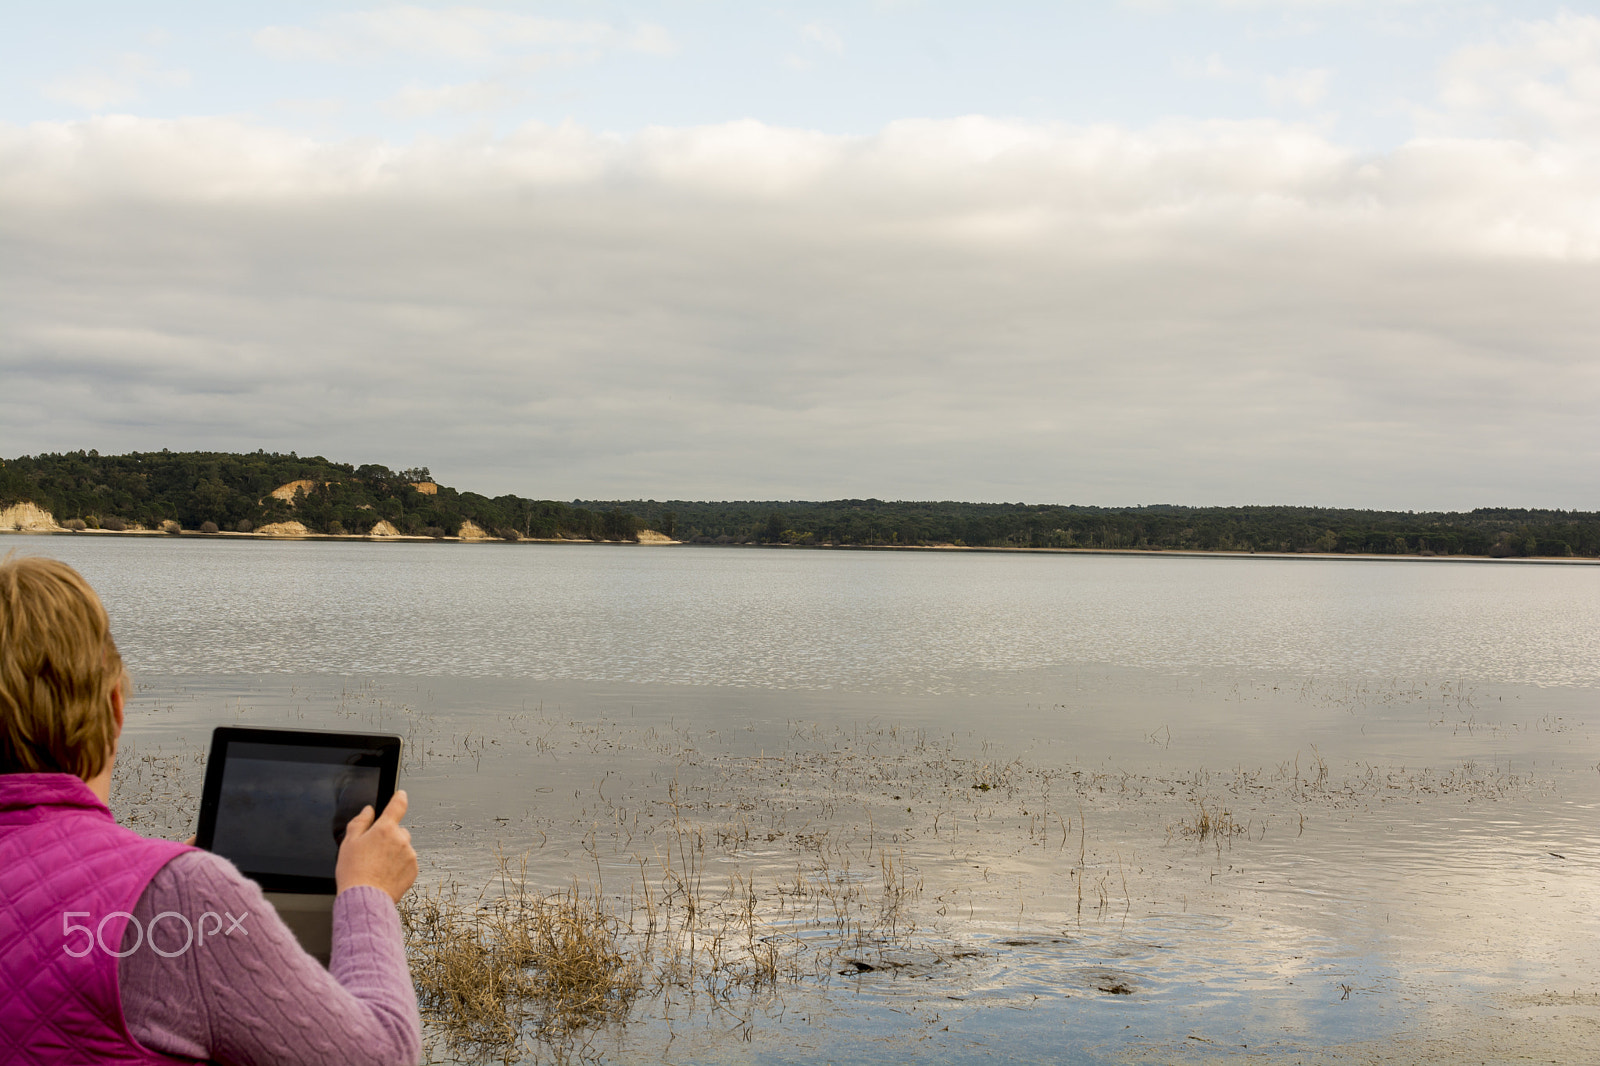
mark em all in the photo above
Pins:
pixel 276 801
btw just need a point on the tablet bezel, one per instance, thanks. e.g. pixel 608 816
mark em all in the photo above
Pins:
pixel 387 745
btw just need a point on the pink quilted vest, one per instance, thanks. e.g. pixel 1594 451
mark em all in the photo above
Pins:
pixel 69 875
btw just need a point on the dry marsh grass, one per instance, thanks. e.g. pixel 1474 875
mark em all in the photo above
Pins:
pixel 489 968
pixel 1211 822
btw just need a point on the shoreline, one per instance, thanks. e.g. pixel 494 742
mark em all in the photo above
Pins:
pixel 1194 553
pixel 226 534
pixel 1190 553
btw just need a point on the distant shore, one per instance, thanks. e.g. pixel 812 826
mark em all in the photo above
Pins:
pixel 382 538
pixel 1193 553
pixel 314 498
pixel 660 540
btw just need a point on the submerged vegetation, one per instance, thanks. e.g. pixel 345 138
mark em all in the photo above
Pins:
pixel 697 894
pixel 228 492
pixel 761 891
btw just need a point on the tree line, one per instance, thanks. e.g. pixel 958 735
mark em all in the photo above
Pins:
pixel 229 491
pixel 233 491
pixel 1491 531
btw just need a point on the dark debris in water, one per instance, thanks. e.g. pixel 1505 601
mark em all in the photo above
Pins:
pixel 913 963
pixel 1109 982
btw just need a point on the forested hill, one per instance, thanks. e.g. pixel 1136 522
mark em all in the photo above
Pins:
pixel 1499 532
pixel 222 490
pixel 232 492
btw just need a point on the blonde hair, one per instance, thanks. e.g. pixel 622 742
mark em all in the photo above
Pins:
pixel 58 669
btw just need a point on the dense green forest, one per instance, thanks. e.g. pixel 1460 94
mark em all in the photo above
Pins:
pixel 1487 531
pixel 225 491
pixel 221 490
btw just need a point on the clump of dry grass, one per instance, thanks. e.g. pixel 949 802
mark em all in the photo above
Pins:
pixel 1211 823
pixel 464 981
pixel 487 969
pixel 582 974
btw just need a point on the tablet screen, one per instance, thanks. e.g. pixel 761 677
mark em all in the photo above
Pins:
pixel 277 803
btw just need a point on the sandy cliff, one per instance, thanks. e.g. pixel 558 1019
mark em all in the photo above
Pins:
pixel 27 518
pixel 285 492
pixel 283 529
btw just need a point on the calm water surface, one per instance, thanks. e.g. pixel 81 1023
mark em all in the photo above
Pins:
pixel 1407 746
pixel 857 621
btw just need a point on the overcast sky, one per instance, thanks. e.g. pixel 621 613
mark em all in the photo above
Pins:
pixel 1224 252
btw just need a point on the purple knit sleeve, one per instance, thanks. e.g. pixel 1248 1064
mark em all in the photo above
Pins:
pixel 248 993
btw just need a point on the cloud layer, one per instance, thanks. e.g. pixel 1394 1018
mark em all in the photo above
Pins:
pixel 979 309
pixel 459 34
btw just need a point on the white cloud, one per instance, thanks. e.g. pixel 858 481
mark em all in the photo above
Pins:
pixel 298 42
pixel 815 38
pixel 1293 6
pixel 420 101
pixel 650 39
pixel 822 36
pixel 1210 312
pixel 1202 312
pixel 504 46
pixel 1306 88
pixel 1542 80
pixel 121 83
pixel 462 34
pixel 323 107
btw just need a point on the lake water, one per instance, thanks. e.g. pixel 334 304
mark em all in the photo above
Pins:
pixel 1014 750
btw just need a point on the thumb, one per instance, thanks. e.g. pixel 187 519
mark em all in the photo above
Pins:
pixel 397 806
pixel 360 823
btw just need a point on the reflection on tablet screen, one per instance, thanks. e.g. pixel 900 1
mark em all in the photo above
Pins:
pixel 283 808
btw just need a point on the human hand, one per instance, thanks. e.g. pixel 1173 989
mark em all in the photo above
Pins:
pixel 377 851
